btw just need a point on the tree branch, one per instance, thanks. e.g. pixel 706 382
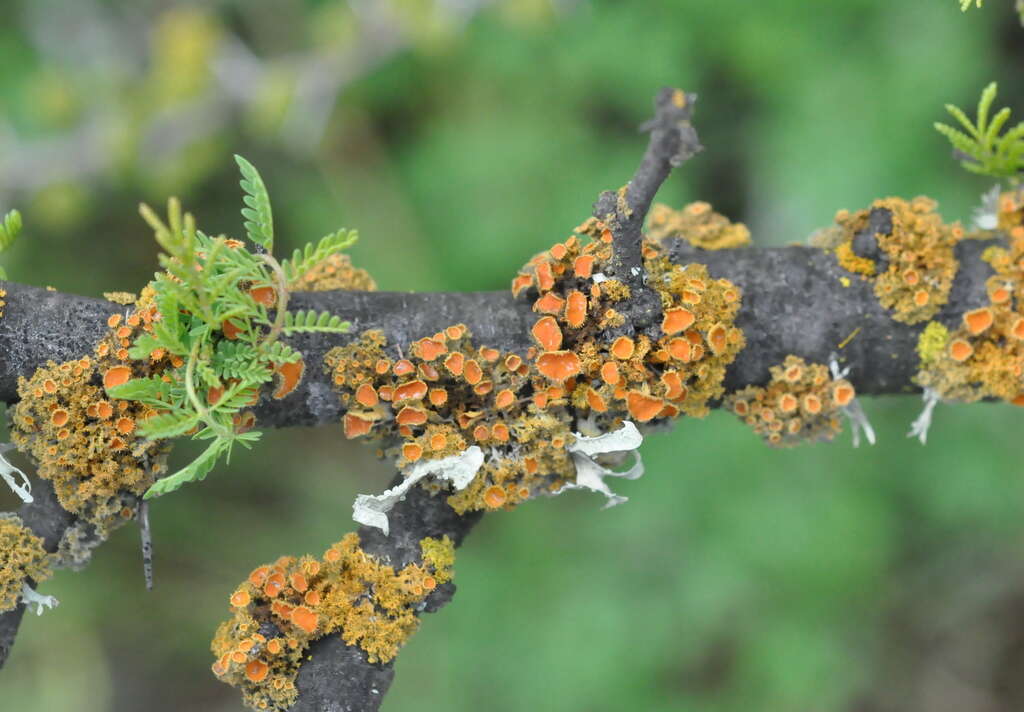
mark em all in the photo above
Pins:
pixel 795 300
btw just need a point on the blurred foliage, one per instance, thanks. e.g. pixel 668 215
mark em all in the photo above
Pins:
pixel 460 138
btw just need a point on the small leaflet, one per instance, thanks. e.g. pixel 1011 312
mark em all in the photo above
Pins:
pixel 371 510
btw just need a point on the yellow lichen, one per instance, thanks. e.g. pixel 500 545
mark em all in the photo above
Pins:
pixel 851 262
pixel 334 272
pixel 282 607
pixel 983 357
pixel 3 293
pixel 800 404
pixel 22 557
pixel 123 298
pixel 932 342
pixel 85 443
pixel 699 225
pixel 918 249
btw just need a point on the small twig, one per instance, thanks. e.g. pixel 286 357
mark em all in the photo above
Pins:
pixel 673 140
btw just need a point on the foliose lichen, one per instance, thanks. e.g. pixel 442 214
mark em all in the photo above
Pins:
pixel 282 607
pixel 334 272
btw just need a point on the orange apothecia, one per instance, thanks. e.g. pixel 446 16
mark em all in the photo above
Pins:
pixel 802 403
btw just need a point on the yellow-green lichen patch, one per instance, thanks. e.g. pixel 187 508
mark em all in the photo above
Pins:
pixel 282 607
pixel 918 255
pixel 932 342
pixel 3 293
pixel 802 403
pixel 334 272
pixel 699 225
pixel 22 557
pixel 84 442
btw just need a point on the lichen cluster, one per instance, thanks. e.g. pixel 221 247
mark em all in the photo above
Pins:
pixel 983 355
pixel 282 607
pixel 21 557
pixel 698 224
pixel 802 403
pixel 86 443
pixel 334 272
pixel 448 393
pixel 3 293
pixel 917 265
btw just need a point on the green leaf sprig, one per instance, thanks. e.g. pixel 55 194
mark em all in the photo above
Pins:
pixel 222 310
pixel 984 150
pixel 9 229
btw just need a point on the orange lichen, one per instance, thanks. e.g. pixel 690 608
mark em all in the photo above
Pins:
pixel 98 465
pixel 801 403
pixel 919 252
pixel 348 593
pixel 699 225
pixel 22 557
pixel 334 272
pixel 977 320
pixel 116 376
pixel 575 309
pixel 558 366
pixel 547 334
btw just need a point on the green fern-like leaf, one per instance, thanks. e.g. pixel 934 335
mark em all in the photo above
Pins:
pixel 259 221
pixel 983 150
pixel 198 469
pixel 9 229
pixel 279 352
pixel 310 321
pixel 304 260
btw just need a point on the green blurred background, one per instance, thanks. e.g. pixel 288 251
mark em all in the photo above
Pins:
pixel 461 137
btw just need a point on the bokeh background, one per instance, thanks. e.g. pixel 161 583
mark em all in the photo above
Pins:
pixel 461 137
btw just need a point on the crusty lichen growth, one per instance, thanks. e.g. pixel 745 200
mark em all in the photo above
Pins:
pixel 698 224
pixel 84 442
pixel 334 272
pixel 802 403
pixel 3 293
pixel 448 393
pixel 282 607
pixel 22 557
pixel 916 273
pixel 983 357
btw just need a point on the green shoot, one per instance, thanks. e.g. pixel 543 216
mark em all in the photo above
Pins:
pixel 9 229
pixel 984 150
pixel 222 310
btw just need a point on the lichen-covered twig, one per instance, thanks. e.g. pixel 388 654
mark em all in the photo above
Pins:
pixel 672 141
pixel 796 300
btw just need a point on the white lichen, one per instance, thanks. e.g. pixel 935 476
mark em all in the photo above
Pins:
pixel 459 470
pixel 30 597
pixel 919 428
pixel 590 474
pixel 986 216
pixel 8 472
